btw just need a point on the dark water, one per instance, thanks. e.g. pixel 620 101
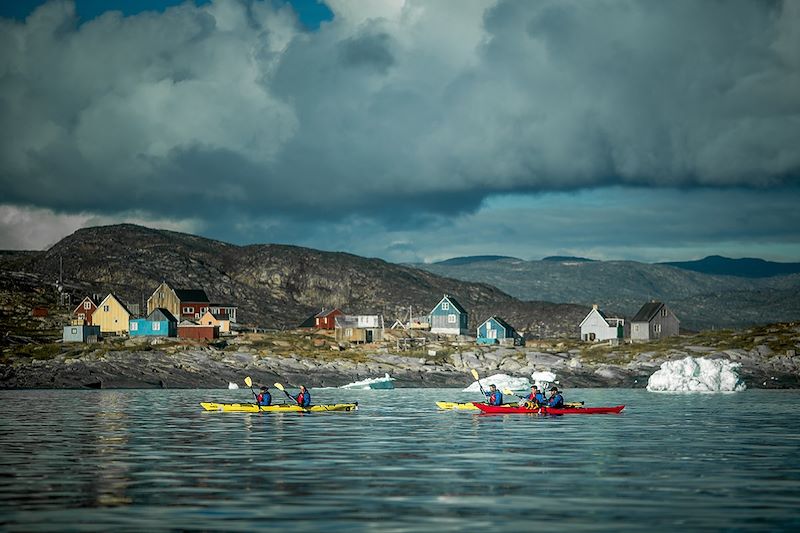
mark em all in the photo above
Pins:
pixel 152 460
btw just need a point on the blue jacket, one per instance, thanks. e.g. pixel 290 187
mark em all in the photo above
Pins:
pixel 556 401
pixel 264 398
pixel 494 398
pixel 304 399
pixel 539 398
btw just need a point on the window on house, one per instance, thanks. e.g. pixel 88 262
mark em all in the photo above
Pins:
pixel 445 306
pixel 134 326
pixel 81 316
pixel 74 331
pixel 657 328
pixel 451 319
pixel 663 311
pixel 348 332
pixel 203 309
pixel 636 328
pixel 188 310
pixel 105 309
pixel 87 305
pixel 156 326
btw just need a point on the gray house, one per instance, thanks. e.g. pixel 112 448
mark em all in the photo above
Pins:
pixel 654 321
pixel 449 317
pixel 81 333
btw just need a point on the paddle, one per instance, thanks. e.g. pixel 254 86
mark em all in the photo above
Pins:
pixel 475 375
pixel 280 387
pixel 249 383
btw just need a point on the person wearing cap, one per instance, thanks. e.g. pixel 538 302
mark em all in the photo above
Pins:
pixel 555 400
pixel 264 398
pixel 534 399
pixel 304 398
pixel 494 396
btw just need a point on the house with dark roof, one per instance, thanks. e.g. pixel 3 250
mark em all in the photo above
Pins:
pixel 159 323
pixel 188 304
pixel 495 330
pixel 449 317
pixel 597 326
pixel 654 321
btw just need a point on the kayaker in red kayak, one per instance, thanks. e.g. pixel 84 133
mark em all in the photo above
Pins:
pixel 494 396
pixel 304 398
pixel 556 400
pixel 534 399
pixel 264 398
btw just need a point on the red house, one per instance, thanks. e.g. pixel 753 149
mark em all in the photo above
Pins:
pixel 85 310
pixel 327 319
pixel 197 331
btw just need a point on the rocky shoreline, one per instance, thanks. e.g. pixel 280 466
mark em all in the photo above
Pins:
pixel 211 367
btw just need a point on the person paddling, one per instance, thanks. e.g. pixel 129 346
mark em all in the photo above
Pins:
pixel 494 396
pixel 534 399
pixel 264 397
pixel 556 400
pixel 303 399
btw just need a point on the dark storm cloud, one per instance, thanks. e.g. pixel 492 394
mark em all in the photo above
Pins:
pixel 392 110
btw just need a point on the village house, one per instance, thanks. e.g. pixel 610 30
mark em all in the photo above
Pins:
pixel 188 304
pixel 81 332
pixel 190 330
pixel 654 321
pixel 599 327
pixel 449 317
pixel 495 330
pixel 219 320
pixel 359 328
pixel 112 316
pixel 159 323
pixel 85 310
pixel 327 319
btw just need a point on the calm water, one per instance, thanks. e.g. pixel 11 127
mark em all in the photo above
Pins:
pixel 151 459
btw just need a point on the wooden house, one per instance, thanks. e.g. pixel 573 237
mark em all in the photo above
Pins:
pixel 85 310
pixel 654 321
pixel 111 315
pixel 184 304
pixel 224 312
pixel 449 317
pixel 599 327
pixel 80 332
pixel 159 323
pixel 327 319
pixel 190 330
pixel 219 320
pixel 359 328
pixel 495 330
pixel 40 311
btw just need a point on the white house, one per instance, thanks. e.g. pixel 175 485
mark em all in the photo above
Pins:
pixel 599 327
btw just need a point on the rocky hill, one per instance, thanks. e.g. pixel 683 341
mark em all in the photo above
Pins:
pixel 275 286
pixel 700 300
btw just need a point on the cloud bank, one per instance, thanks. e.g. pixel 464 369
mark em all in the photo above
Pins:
pixel 395 111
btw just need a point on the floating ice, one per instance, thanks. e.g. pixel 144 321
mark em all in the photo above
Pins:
pixel 697 375
pixel 503 381
pixel 232 385
pixel 372 383
pixel 543 379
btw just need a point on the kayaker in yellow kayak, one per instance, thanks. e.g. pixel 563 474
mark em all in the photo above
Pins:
pixel 264 398
pixel 556 400
pixel 303 399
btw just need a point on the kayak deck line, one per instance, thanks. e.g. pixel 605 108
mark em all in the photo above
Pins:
pixel 278 408
pixel 501 409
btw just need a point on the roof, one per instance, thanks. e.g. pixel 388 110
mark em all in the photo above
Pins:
pixel 327 313
pixel 647 312
pixel 501 322
pixel 80 305
pixel 217 316
pixel 453 302
pixel 119 301
pixel 159 313
pixel 308 322
pixel 191 295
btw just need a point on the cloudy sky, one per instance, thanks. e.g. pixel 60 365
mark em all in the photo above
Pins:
pixel 405 129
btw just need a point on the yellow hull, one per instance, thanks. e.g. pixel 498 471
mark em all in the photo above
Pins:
pixel 287 408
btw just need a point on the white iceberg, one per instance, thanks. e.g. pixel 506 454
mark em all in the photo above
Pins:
pixel 697 375
pixel 383 383
pixel 232 385
pixel 502 381
pixel 543 379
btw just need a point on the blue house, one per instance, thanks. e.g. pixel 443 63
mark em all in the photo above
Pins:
pixel 159 323
pixel 495 330
pixel 449 317
pixel 81 333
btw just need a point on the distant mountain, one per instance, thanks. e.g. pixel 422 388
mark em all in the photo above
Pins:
pixel 567 258
pixel 275 286
pixel 475 259
pixel 700 300
pixel 745 267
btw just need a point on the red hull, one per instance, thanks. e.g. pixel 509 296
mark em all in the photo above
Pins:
pixel 501 409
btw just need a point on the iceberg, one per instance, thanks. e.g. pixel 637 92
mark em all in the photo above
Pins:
pixel 503 381
pixel 697 375
pixel 383 383
pixel 232 385
pixel 543 379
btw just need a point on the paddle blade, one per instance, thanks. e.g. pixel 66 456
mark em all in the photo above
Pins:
pixel 508 391
pixel 248 381
pixel 475 375
pixel 280 387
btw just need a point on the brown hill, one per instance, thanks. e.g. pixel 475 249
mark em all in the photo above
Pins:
pixel 275 286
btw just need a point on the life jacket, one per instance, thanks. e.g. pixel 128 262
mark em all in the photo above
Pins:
pixel 303 399
pixel 264 398
pixel 496 398
pixel 556 401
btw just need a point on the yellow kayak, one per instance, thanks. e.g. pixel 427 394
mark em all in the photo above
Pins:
pixel 279 408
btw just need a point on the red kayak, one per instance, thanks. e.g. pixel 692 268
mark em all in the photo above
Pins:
pixel 504 409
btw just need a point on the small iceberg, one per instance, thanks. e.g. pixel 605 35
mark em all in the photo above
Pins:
pixel 502 381
pixel 232 385
pixel 543 380
pixel 383 383
pixel 697 375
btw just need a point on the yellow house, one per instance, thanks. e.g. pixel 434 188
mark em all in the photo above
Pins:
pixel 210 319
pixel 111 315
